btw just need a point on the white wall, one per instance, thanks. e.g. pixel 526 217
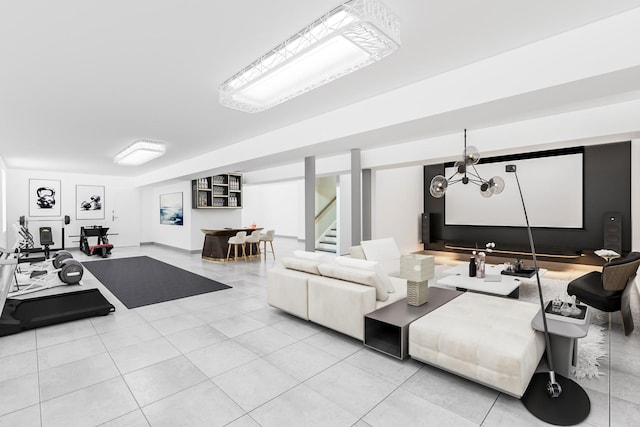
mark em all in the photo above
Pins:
pixel 4 226
pixel 278 206
pixel 178 236
pixel 397 201
pixel 121 207
pixel 188 236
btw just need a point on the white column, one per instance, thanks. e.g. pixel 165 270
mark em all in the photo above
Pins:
pixel 310 203
pixel 356 197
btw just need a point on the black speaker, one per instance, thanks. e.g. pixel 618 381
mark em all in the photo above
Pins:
pixel 425 231
pixel 613 231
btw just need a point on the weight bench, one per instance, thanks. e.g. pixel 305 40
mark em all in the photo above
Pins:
pixel 104 249
pixel 46 240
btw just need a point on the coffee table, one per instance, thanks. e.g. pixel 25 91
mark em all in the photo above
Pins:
pixel 387 329
pixel 509 286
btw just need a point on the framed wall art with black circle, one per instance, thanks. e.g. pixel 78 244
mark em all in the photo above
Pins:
pixel 44 197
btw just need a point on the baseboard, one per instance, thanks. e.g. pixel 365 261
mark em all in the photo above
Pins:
pixel 187 251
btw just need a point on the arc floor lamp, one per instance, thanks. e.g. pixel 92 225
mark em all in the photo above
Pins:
pixel 552 398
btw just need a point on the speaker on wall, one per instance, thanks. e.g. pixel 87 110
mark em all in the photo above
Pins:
pixel 613 231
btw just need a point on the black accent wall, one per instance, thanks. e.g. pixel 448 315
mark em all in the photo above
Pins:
pixel 607 188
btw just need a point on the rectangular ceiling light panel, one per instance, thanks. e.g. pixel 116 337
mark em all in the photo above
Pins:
pixel 351 36
pixel 139 152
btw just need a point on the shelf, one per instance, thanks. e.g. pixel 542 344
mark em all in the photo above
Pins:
pixel 217 192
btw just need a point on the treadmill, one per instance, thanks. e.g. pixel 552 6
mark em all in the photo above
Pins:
pixel 18 315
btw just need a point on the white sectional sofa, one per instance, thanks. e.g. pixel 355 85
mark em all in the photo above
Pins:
pixel 334 294
pixel 483 338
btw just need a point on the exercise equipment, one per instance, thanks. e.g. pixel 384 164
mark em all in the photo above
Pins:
pixel 7 269
pixel 17 315
pixel 27 244
pixel 40 264
pixel 65 268
pixel 102 247
pixel 46 240
pixel 24 245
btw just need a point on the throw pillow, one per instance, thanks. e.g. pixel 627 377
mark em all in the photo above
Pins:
pixel 356 275
pixel 365 264
pixel 356 252
pixel 314 256
pixel 380 249
pixel 299 264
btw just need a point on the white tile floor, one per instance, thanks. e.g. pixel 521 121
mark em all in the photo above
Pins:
pixel 227 358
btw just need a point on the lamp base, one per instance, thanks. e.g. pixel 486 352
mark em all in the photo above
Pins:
pixel 570 408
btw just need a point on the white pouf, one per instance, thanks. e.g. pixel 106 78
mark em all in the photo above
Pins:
pixel 483 338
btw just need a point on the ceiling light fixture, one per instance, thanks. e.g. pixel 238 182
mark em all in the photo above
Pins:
pixel 349 37
pixel 140 152
pixel 468 174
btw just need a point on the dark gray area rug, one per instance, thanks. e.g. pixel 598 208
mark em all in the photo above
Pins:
pixel 139 281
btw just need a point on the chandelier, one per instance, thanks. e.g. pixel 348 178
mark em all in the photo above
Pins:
pixel 466 172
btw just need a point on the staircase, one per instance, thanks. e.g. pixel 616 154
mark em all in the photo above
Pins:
pixel 328 241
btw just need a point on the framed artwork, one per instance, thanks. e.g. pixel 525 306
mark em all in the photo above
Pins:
pixel 89 202
pixel 171 209
pixel 44 197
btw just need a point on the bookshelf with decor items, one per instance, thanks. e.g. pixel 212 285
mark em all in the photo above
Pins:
pixel 218 191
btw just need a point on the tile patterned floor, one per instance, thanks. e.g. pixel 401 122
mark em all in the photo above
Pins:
pixel 227 358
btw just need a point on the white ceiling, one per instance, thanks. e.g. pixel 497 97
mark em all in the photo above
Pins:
pixel 81 79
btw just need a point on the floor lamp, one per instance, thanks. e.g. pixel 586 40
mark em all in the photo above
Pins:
pixel 552 398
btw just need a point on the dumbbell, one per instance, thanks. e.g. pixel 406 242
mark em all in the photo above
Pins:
pixel 60 256
pixel 71 271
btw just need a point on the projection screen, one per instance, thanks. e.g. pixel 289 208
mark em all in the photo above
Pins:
pixel 552 188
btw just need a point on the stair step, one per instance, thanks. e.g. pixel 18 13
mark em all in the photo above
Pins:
pixel 333 251
pixel 327 246
pixel 327 242
pixel 331 234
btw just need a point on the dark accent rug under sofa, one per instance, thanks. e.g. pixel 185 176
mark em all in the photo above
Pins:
pixel 139 281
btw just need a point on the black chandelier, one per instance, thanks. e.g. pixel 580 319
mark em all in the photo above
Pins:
pixel 466 173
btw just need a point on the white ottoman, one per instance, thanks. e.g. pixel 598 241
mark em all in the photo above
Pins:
pixel 483 338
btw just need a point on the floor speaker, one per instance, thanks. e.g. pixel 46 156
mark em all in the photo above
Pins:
pixel 613 231
pixel 425 231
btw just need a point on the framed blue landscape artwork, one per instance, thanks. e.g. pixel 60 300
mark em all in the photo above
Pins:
pixel 171 209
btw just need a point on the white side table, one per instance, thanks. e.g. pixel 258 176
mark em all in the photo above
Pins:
pixel 563 335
